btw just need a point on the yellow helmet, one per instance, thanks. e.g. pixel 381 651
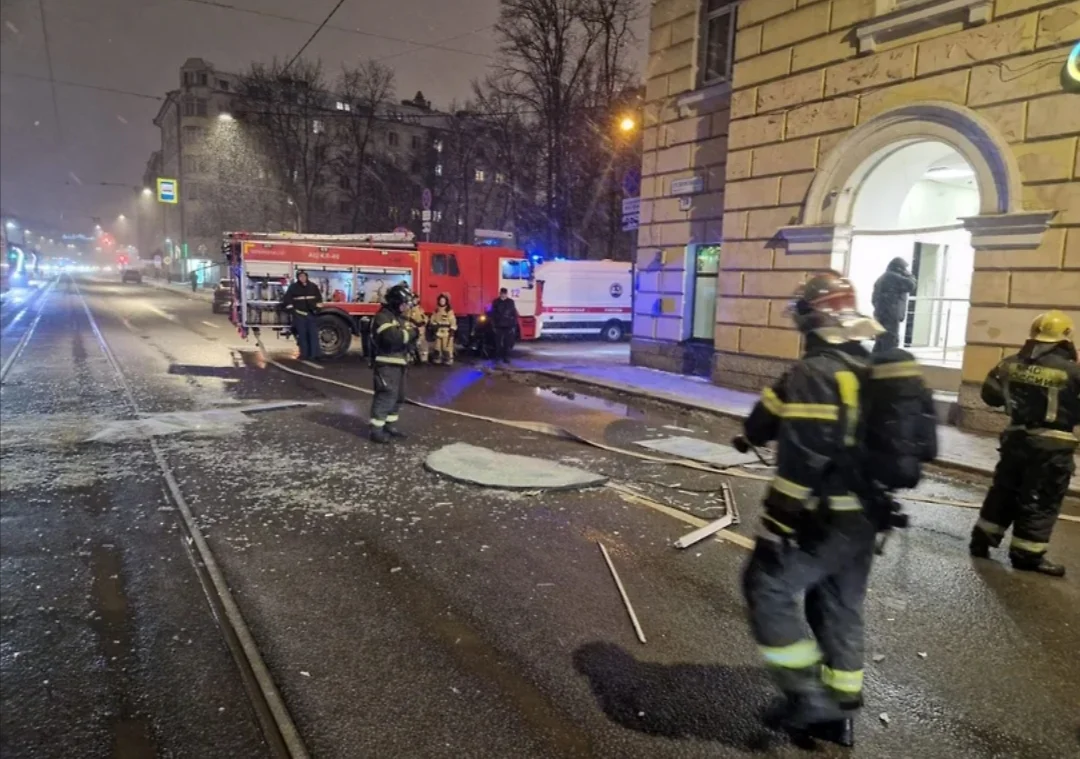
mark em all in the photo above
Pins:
pixel 1052 327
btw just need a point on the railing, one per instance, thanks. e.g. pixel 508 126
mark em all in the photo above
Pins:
pixel 936 328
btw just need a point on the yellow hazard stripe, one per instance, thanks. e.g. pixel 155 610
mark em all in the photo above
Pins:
pixel 989 527
pixel 383 327
pixel 819 411
pixel 844 681
pixel 799 655
pixel 1019 544
pixel 783 527
pixel 848 384
pixel 378 423
pixel 844 503
pixel 389 360
pixel 790 489
pixel 772 401
pixel 897 370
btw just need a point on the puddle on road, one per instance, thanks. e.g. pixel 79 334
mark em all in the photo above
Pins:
pixel 131 732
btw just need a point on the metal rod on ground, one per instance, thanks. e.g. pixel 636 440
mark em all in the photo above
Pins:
pixel 703 532
pixel 622 592
pixel 729 500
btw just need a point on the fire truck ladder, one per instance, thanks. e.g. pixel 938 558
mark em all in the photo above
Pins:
pixel 402 240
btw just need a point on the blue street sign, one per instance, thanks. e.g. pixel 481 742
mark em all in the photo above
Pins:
pixel 631 183
pixel 167 190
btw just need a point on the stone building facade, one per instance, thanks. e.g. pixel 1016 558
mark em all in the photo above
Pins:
pixel 822 97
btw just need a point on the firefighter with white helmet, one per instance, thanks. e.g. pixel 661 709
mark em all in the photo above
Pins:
pixel 818 541
pixel 1039 388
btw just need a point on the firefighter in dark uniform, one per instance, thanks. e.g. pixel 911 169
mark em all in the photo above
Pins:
pixel 890 301
pixel 817 543
pixel 1040 390
pixel 301 301
pixel 393 336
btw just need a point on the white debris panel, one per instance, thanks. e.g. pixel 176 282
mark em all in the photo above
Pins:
pixel 214 421
pixel 491 469
pixel 699 450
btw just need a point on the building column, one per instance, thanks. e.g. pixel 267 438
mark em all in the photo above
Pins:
pixel 1018 275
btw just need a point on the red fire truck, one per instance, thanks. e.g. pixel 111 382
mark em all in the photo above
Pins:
pixel 354 271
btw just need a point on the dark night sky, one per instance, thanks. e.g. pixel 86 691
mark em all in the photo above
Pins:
pixel 139 45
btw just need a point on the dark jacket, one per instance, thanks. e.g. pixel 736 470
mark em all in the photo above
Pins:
pixel 301 299
pixel 392 335
pixel 1039 388
pixel 891 293
pixel 813 412
pixel 504 314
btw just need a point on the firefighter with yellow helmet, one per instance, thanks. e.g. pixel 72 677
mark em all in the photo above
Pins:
pixel 1039 388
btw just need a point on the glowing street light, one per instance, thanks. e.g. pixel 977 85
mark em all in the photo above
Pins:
pixel 223 116
pixel 121 217
pixel 627 124
pixel 147 192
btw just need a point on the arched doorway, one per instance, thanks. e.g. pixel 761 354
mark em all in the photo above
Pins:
pixel 911 205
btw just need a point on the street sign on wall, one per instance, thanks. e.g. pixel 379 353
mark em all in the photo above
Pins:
pixel 631 210
pixel 631 183
pixel 425 199
pixel 687 186
pixel 167 190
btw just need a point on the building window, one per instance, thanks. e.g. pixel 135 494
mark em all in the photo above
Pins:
pixel 189 78
pixel 203 79
pixel 392 138
pixel 189 106
pixel 438 146
pixel 416 142
pixel 718 35
pixel 438 169
pixel 200 107
pixel 223 85
pixel 317 126
pixel 480 175
pixel 416 213
pixel 436 215
pixel 192 135
pixel 706 270
pixel 500 178
pixel 342 106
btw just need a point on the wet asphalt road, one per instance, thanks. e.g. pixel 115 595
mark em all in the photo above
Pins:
pixel 402 615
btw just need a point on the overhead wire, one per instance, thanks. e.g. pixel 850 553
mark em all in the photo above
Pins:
pixel 314 34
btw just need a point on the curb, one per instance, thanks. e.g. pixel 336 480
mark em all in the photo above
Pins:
pixel 182 293
pixel 950 464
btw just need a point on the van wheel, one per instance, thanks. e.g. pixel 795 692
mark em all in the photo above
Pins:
pixel 334 337
pixel 612 331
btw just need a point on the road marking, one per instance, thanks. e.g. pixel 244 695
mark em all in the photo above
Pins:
pixel 216 326
pixel 160 313
pixel 26 335
pixel 126 323
pixel 312 364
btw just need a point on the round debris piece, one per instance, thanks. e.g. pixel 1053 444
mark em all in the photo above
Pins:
pixel 506 471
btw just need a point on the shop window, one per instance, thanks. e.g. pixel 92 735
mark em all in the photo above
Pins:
pixel 718 36
pixel 706 271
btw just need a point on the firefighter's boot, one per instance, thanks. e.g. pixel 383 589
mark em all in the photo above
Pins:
pixel 841 732
pixel 1041 564
pixel 378 435
pixel 806 702
pixel 392 430
pixel 979 545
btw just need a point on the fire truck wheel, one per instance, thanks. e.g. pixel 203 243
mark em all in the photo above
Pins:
pixel 334 337
pixel 612 331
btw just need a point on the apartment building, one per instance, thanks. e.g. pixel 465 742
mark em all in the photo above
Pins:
pixel 789 136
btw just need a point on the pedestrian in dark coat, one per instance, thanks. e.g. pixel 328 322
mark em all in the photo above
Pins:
pixel 504 322
pixel 302 301
pixel 890 301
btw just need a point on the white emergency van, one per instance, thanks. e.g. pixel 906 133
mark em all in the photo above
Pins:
pixel 583 299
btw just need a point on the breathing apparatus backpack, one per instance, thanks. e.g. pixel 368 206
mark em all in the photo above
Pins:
pixel 901 424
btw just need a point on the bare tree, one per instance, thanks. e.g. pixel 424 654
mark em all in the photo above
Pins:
pixel 286 112
pixel 563 63
pixel 365 91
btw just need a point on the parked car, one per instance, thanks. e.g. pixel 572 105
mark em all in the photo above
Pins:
pixel 223 296
pixel 131 275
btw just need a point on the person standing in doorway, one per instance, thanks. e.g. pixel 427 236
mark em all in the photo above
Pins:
pixel 890 301
pixel 194 280
pixel 301 302
pixel 504 321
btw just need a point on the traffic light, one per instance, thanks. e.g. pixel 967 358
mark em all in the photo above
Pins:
pixel 123 260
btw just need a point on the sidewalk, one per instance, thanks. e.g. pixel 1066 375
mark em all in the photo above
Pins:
pixel 181 288
pixel 965 451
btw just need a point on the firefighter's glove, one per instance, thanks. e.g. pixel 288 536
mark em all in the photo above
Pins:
pixel 741 444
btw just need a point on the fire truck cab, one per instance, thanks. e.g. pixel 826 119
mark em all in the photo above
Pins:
pixel 354 271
